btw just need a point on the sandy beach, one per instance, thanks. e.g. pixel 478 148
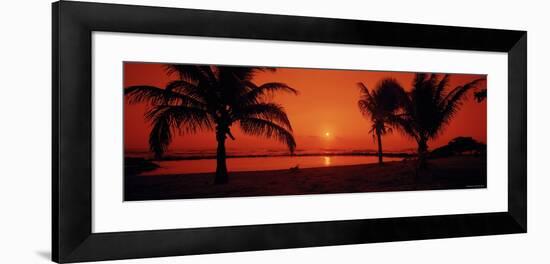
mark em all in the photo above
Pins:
pixel 445 173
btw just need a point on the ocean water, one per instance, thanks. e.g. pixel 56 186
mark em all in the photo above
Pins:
pixel 170 167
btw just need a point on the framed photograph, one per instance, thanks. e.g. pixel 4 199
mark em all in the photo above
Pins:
pixel 179 131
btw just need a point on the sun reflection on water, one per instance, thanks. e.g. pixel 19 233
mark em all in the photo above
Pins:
pixel 327 160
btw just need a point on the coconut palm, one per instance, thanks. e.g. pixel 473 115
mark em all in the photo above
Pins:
pixel 429 107
pixel 213 98
pixel 380 105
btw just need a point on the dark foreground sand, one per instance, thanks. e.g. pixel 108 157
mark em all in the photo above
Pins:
pixel 445 173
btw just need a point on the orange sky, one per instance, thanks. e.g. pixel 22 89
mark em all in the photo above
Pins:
pixel 327 103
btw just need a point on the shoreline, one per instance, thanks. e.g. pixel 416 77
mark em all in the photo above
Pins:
pixel 275 171
pixel 198 157
pixel 445 173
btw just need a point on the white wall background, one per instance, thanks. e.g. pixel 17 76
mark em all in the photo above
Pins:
pixel 25 94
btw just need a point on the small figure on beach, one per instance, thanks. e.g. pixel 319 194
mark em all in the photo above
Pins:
pixel 295 168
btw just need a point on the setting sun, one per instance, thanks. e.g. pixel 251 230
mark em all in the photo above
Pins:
pixel 327 134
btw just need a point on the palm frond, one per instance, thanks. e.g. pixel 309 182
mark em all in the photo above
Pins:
pixel 152 94
pixel 193 94
pixel 383 101
pixel 208 71
pixel 433 80
pixel 365 91
pixel 257 93
pixel 160 136
pixel 388 96
pixel 183 118
pixel 268 129
pixel 481 95
pixel 190 73
pixel 168 118
pixel 404 124
pixel 419 79
pixel 366 108
pixel 246 73
pixel 267 111
pixel 366 103
pixel 454 99
pixel 441 86
pixel 459 89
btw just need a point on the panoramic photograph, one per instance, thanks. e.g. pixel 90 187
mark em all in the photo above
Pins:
pixel 217 131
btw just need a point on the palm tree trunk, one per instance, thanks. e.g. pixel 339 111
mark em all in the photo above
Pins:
pixel 221 167
pixel 379 138
pixel 422 153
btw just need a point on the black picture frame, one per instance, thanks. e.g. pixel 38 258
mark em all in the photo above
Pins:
pixel 73 24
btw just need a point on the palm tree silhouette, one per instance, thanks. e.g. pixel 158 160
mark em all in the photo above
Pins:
pixel 429 107
pixel 213 98
pixel 380 105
